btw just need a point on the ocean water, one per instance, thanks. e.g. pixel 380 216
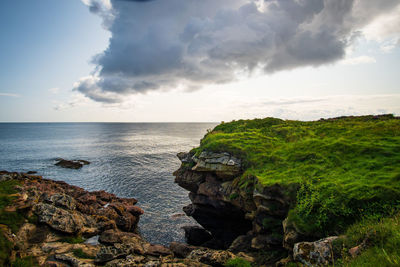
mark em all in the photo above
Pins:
pixel 127 159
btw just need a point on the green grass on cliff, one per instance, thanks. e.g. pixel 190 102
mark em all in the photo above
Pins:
pixel 11 219
pixel 344 168
pixel 382 242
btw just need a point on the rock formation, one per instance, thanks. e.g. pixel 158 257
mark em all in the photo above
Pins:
pixel 64 225
pixel 240 214
pixel 71 164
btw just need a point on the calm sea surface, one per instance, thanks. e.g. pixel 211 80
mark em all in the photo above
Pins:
pixel 127 159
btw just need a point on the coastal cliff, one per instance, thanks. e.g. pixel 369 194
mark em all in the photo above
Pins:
pixel 241 215
pixel 266 192
pixel 291 191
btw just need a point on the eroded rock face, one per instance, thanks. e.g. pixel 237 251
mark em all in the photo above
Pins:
pixel 315 253
pixel 222 164
pixel 244 217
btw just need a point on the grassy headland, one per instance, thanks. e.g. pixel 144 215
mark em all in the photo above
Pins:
pixel 342 169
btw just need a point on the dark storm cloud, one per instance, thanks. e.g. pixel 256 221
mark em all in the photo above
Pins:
pixel 163 44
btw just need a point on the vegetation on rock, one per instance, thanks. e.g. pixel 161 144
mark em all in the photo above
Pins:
pixel 374 241
pixel 344 168
pixel 13 220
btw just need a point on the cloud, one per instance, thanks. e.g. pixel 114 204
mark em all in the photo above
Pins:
pixel 167 44
pixel 286 102
pixel 313 108
pixel 358 60
pixel 9 95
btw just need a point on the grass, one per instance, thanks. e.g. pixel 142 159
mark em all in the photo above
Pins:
pixel 382 238
pixel 12 219
pixel 340 169
pixel 5 249
pixel 24 262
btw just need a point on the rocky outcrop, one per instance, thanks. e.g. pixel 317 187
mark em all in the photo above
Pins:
pixel 316 253
pixel 209 207
pixel 241 215
pixel 71 164
pixel 222 164
pixel 65 225
pixel 56 213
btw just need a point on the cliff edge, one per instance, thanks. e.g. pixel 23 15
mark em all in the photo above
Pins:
pixel 294 191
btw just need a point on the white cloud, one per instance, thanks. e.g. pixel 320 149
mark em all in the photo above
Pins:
pixel 9 95
pixel 358 60
pixel 77 100
pixel 385 30
pixel 313 108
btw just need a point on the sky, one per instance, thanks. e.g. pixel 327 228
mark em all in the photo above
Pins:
pixel 197 61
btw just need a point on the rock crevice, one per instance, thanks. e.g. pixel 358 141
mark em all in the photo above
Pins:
pixel 240 216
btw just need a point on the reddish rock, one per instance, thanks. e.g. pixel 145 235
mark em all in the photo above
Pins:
pixel 87 199
pixel 134 210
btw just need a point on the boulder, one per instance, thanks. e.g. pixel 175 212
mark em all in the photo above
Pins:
pixel 59 219
pixel 315 253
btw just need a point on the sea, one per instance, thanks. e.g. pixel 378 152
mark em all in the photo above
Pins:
pixel 127 159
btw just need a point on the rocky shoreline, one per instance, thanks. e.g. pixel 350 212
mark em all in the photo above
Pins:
pixel 64 225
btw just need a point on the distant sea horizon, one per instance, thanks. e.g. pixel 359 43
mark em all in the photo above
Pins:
pixel 129 159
